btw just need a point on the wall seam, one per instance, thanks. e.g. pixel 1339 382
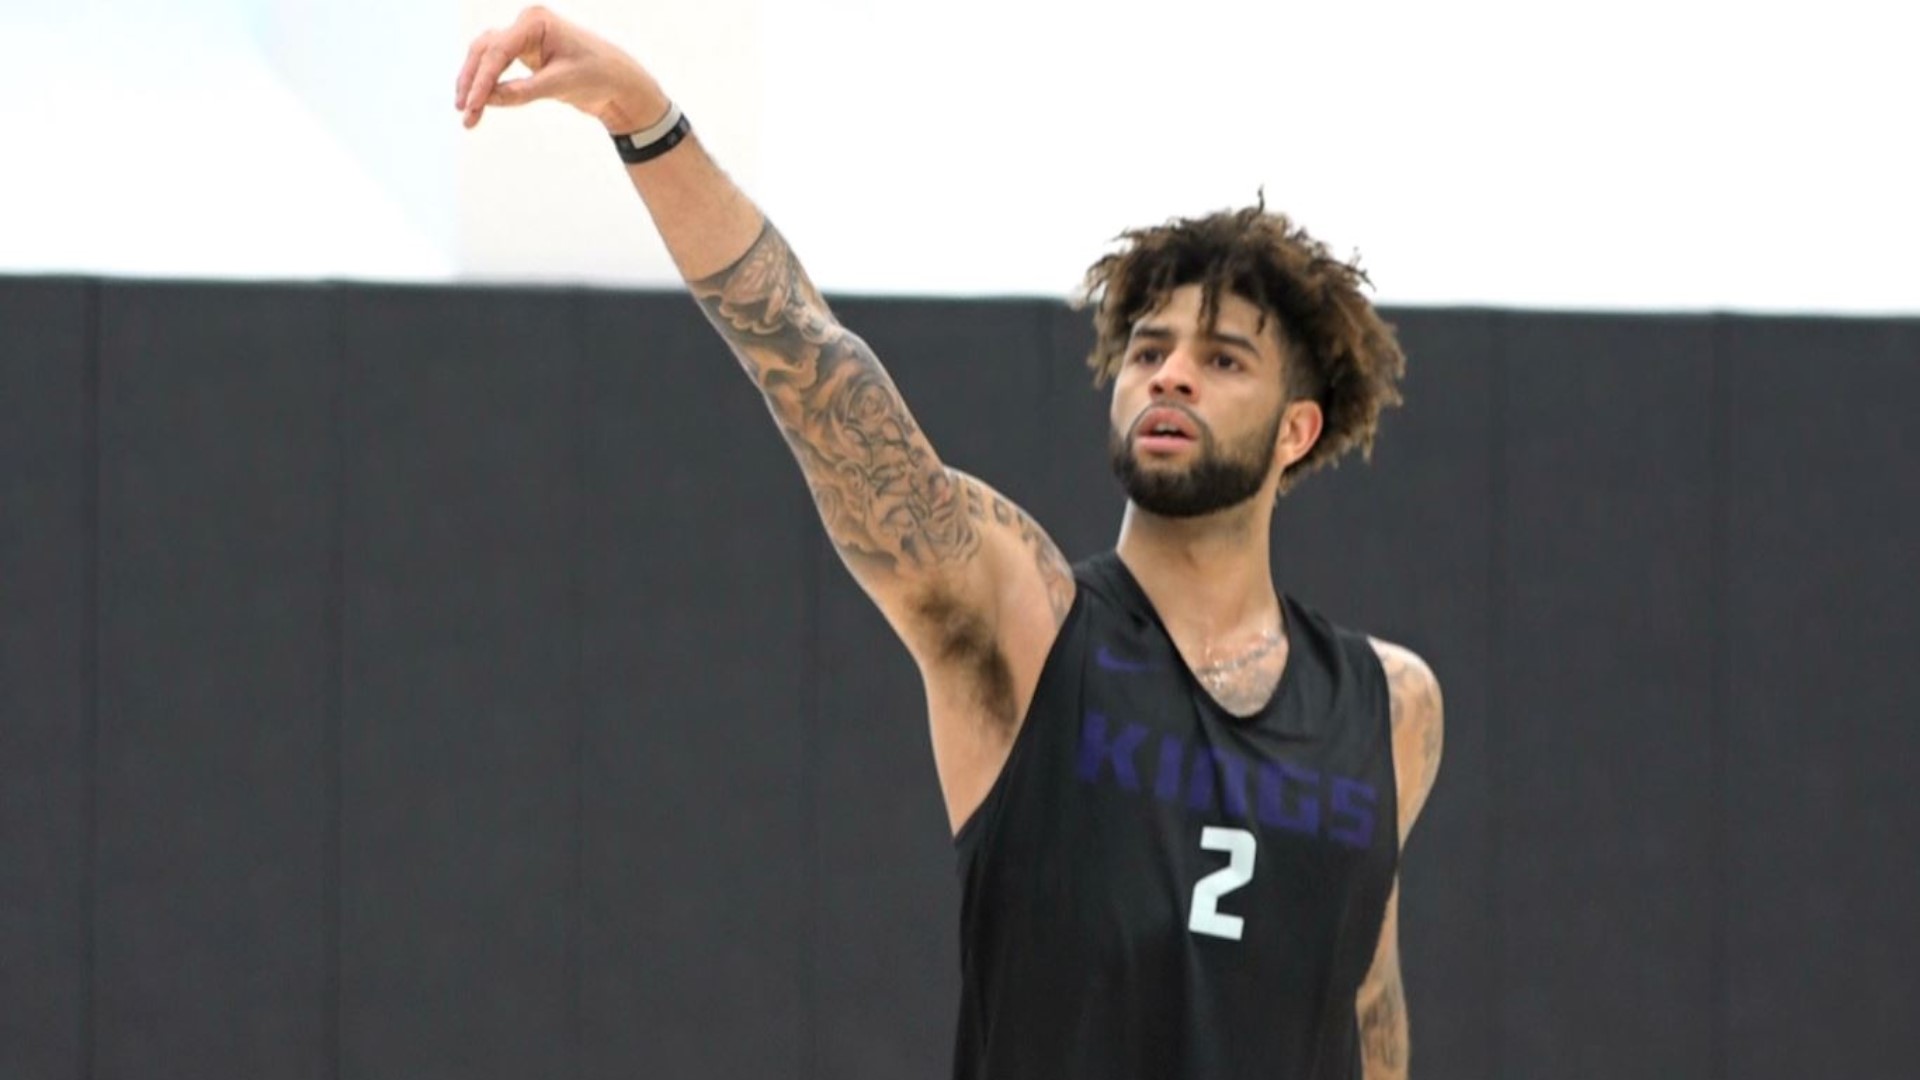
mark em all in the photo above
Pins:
pixel 810 771
pixel 335 841
pixel 90 673
pixel 1496 658
pixel 1719 539
pixel 576 973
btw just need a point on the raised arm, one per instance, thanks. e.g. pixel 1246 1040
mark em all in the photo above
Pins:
pixel 910 529
pixel 971 584
pixel 885 498
pixel 895 513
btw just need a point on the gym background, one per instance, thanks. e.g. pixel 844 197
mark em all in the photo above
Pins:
pixel 419 656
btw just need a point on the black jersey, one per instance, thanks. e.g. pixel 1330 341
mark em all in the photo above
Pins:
pixel 1155 889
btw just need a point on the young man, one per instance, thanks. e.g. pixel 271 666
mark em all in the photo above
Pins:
pixel 1178 798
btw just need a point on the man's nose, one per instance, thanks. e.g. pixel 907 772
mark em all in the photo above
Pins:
pixel 1175 376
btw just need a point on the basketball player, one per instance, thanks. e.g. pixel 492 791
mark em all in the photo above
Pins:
pixel 1178 797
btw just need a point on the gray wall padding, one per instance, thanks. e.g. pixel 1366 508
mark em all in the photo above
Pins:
pixel 47 776
pixel 414 683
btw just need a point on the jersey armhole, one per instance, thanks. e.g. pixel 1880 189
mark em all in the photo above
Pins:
pixel 966 839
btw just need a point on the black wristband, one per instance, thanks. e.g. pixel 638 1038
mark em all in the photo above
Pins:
pixel 634 154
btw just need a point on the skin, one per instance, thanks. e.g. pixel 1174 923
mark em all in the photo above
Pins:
pixel 974 588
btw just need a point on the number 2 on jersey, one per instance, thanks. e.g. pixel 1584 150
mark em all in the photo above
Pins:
pixel 1206 917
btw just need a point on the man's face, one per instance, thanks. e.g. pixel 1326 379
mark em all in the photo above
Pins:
pixel 1198 421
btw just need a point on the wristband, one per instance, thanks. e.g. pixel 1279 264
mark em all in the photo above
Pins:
pixel 650 143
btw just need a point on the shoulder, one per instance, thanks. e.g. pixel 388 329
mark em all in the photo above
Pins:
pixel 1408 676
pixel 1419 725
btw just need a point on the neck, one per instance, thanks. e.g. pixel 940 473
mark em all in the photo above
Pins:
pixel 1209 577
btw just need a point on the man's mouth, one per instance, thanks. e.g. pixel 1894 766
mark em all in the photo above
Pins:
pixel 1165 429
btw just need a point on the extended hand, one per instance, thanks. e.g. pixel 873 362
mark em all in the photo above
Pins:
pixel 567 64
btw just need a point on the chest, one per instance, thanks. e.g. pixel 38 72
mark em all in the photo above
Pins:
pixel 1162 829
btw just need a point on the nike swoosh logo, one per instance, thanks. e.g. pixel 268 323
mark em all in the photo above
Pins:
pixel 1105 658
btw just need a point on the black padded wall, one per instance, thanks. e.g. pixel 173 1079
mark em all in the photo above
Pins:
pixel 699 569
pixel 47 775
pixel 1820 610
pixel 1602 726
pixel 211 921
pixel 408 682
pixel 460 743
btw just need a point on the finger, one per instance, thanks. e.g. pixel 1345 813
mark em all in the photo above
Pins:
pixel 467 68
pixel 486 71
pixel 500 51
pixel 521 41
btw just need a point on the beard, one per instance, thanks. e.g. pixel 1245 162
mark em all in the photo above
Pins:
pixel 1222 477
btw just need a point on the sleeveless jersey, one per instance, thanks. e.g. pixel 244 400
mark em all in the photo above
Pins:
pixel 1156 889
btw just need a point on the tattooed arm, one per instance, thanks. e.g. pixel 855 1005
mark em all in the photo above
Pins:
pixel 1382 1005
pixel 1418 729
pixel 975 588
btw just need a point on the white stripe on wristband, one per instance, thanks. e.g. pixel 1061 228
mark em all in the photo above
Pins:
pixel 642 145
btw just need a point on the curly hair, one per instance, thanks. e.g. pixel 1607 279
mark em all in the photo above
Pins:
pixel 1341 353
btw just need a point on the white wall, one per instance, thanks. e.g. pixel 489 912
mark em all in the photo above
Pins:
pixel 1628 154
pixel 162 139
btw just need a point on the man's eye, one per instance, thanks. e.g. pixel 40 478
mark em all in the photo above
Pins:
pixel 1225 361
pixel 1147 356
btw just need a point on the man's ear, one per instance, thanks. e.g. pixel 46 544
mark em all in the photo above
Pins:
pixel 1301 423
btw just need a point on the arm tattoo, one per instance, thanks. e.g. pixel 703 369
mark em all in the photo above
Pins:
pixel 1383 1033
pixel 1055 574
pixel 1416 700
pixel 882 494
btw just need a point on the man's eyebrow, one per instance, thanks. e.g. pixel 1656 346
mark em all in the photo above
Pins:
pixel 1152 332
pixel 1237 341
